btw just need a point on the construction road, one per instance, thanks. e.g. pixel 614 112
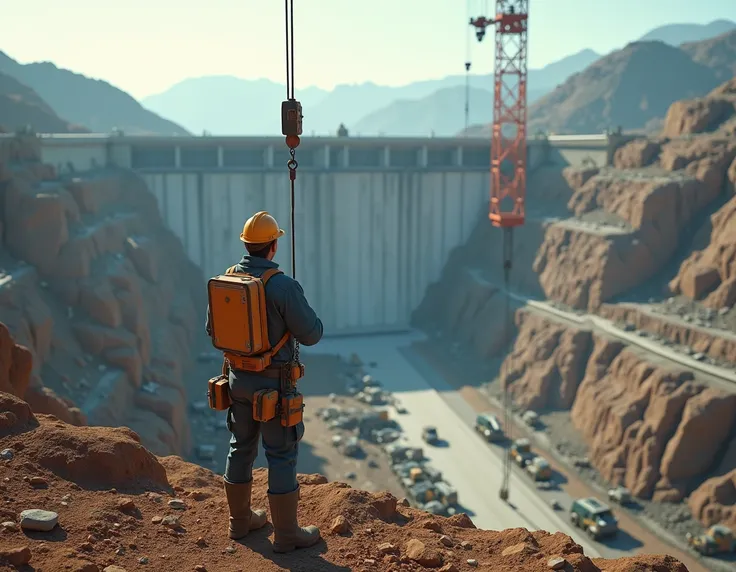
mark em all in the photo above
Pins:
pixel 717 376
pixel 470 464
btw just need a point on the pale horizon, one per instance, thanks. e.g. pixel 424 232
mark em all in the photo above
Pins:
pixel 145 48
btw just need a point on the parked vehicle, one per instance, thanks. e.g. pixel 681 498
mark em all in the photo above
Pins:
pixel 531 418
pixel 594 517
pixel 446 494
pixel 429 435
pixel 521 452
pixel 539 469
pixel 620 495
pixel 718 539
pixel 489 426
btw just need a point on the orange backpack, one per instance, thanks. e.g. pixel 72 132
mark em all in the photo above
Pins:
pixel 238 321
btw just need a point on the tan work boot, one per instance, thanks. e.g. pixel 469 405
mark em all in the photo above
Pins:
pixel 242 518
pixel 288 535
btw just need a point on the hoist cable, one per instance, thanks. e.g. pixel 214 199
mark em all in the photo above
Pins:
pixel 508 248
pixel 289 20
pixel 292 163
pixel 467 72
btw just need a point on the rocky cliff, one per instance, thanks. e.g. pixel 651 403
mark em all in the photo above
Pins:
pixel 650 427
pixel 100 296
pixel 630 220
pixel 106 503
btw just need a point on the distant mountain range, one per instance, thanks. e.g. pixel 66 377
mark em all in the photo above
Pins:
pixel 222 104
pixel 631 88
pixel 51 98
pixel 93 103
pixel 20 106
pixel 678 34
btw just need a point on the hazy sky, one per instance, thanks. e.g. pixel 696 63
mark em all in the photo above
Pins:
pixel 145 46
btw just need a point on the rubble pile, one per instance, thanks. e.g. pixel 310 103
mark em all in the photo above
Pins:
pixel 423 483
pixel 84 292
pixel 108 504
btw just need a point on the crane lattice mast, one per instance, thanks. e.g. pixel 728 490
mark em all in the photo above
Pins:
pixel 508 150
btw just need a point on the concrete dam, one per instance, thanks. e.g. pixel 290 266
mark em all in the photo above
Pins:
pixel 375 217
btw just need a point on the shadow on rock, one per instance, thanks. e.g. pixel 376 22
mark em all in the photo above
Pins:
pixel 57 534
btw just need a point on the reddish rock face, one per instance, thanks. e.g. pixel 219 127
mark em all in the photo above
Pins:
pixel 547 363
pixel 713 502
pixel 636 154
pixel 652 429
pixel 704 114
pixel 90 288
pixel 710 274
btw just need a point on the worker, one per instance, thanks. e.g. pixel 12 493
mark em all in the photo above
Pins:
pixel 287 310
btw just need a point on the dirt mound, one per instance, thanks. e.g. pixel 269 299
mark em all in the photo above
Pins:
pixel 628 88
pixel 99 457
pixel 652 429
pixel 20 106
pixel 84 293
pixel 184 527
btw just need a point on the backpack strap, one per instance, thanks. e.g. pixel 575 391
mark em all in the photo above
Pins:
pixel 268 274
pixel 265 277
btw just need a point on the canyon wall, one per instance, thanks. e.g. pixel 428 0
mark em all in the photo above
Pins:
pixel 651 428
pixel 99 295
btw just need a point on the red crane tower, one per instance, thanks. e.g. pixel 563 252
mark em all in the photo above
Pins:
pixel 508 147
pixel 508 140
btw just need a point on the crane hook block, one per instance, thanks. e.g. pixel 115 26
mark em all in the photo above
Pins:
pixel 291 118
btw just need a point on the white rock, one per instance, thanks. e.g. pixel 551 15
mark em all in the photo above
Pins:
pixel 37 519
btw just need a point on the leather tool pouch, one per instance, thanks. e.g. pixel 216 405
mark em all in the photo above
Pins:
pixel 218 391
pixel 265 404
pixel 292 409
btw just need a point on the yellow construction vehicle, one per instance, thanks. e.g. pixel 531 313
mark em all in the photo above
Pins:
pixel 521 452
pixel 718 539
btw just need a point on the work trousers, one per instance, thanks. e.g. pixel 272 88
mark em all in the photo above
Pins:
pixel 280 444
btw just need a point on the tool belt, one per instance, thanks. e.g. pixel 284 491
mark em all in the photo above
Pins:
pixel 286 403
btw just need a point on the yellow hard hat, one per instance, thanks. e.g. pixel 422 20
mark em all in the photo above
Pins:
pixel 260 229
